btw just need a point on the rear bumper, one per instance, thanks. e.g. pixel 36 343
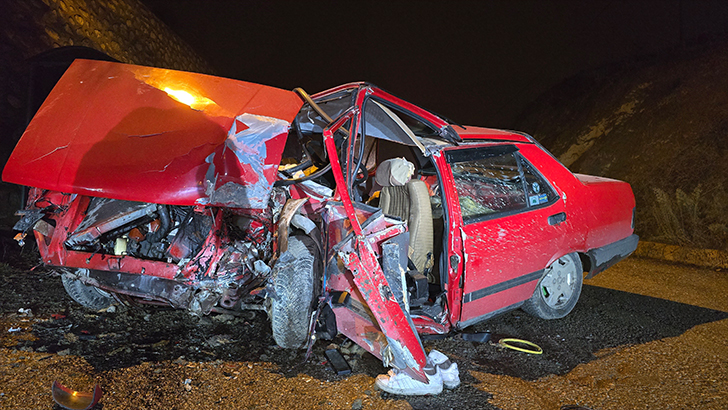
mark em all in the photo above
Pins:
pixel 606 256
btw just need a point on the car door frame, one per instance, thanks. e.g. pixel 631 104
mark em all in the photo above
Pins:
pixel 460 269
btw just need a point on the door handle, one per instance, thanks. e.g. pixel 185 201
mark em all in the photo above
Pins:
pixel 557 218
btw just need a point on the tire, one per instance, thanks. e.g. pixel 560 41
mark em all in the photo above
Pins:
pixel 293 283
pixel 558 290
pixel 87 296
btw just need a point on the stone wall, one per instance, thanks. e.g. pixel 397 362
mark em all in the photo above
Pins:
pixel 123 29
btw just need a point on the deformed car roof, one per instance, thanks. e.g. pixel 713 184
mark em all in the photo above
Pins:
pixel 149 134
pixel 480 133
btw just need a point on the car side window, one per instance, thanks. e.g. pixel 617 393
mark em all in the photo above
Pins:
pixel 494 181
pixel 537 189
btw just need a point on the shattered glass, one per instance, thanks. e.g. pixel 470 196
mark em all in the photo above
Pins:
pixel 488 186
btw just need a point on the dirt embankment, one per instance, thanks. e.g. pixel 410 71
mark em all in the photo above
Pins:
pixel 661 124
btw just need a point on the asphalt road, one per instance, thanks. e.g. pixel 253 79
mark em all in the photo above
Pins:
pixel 645 334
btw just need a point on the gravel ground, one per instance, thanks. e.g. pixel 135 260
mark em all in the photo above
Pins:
pixel 616 350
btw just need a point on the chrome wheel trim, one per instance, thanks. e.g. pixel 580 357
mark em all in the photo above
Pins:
pixel 557 285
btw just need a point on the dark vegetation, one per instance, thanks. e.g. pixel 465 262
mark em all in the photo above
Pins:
pixel 659 123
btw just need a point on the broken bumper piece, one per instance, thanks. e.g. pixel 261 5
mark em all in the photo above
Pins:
pixel 73 400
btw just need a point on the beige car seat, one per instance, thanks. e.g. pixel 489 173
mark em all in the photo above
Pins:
pixel 409 200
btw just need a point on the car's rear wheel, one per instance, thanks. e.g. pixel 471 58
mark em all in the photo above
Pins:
pixel 293 283
pixel 87 296
pixel 558 290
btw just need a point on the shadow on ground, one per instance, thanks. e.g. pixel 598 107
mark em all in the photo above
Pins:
pixel 603 318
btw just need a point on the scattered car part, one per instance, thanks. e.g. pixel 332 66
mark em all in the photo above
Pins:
pixel 483 337
pixel 511 343
pixel 337 362
pixel 326 323
pixel 74 400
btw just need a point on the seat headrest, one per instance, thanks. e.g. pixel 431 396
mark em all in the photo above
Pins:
pixel 394 172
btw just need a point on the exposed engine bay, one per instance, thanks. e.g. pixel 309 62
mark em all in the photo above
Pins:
pixel 224 272
pixel 143 230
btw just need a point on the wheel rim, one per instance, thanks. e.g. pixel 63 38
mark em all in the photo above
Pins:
pixel 557 285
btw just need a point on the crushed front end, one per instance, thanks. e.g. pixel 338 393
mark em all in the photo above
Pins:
pixel 197 258
pixel 216 195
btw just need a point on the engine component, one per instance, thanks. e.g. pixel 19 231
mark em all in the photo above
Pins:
pixel 190 235
pixel 105 215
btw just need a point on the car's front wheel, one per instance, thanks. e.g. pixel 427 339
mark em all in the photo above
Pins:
pixel 558 290
pixel 293 290
pixel 88 296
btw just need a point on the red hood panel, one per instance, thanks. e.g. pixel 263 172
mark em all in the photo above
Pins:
pixel 144 134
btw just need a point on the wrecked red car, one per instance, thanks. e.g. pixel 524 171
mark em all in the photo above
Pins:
pixel 349 211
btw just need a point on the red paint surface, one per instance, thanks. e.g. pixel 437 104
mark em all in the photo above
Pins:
pixel 110 130
pixel 493 251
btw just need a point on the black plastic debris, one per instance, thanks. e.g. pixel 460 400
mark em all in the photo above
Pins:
pixel 337 362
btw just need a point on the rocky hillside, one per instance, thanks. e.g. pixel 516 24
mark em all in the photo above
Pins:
pixel 122 29
pixel 660 123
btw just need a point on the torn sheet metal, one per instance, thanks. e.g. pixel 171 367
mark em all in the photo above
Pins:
pixel 404 344
pixel 138 133
pixel 29 218
pixel 242 172
pixel 289 211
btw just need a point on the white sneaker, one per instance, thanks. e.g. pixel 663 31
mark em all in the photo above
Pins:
pixel 399 382
pixel 448 369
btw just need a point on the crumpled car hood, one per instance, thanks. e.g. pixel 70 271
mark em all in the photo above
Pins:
pixel 155 135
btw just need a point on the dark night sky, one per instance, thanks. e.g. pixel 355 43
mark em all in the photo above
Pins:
pixel 476 62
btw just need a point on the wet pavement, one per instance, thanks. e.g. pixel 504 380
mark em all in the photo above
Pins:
pixel 644 334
